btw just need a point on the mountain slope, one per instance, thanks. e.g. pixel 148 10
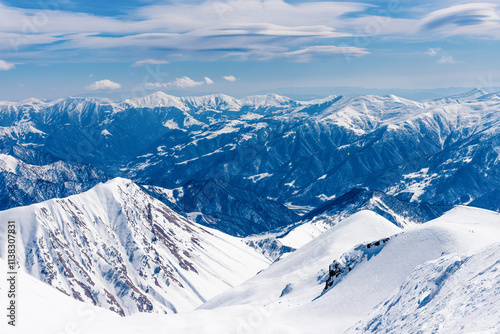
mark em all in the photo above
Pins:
pixel 233 210
pixel 367 274
pixel 24 184
pixel 441 276
pixel 453 294
pixel 117 247
pixel 301 268
pixel 399 212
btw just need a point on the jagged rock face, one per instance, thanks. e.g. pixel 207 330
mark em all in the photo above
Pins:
pixel 24 184
pixel 348 261
pixel 442 152
pixel 117 247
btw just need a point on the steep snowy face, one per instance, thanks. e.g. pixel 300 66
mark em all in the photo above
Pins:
pixel 454 293
pixel 117 247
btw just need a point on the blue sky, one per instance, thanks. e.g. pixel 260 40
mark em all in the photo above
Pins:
pixel 58 48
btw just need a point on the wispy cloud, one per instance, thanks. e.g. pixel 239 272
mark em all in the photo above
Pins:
pixel 5 66
pixel 447 60
pixel 184 82
pixel 149 62
pixel 230 78
pixel 194 29
pixel 104 85
pixel 305 54
pixel 444 58
pixel 433 52
pixel 248 30
pixel 468 19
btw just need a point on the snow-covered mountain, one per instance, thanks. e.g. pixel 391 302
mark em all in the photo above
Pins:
pixel 297 154
pixel 441 276
pixel 299 275
pixel 116 247
pixel 330 284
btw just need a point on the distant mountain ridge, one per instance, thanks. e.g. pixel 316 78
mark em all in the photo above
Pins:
pixel 294 153
pixel 24 184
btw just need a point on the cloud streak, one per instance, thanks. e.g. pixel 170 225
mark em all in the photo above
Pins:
pixel 184 82
pixel 193 28
pixel 467 19
pixel 306 54
pixel 149 62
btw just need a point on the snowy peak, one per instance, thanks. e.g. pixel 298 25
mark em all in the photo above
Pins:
pixel 303 270
pixel 375 267
pixel 268 100
pixel 155 100
pixel 115 246
pixel 471 95
pixel 215 102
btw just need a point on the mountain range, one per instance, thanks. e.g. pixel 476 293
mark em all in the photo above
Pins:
pixel 258 214
pixel 291 156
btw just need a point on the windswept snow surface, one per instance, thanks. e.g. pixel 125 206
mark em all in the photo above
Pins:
pixel 456 293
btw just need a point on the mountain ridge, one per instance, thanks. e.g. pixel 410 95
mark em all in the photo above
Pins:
pixel 116 247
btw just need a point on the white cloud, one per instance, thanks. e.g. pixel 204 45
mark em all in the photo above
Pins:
pixel 447 60
pixel 149 62
pixel 184 82
pixel 230 78
pixel 444 58
pixel 104 85
pixel 329 50
pixel 5 66
pixel 433 51
pixel 213 30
